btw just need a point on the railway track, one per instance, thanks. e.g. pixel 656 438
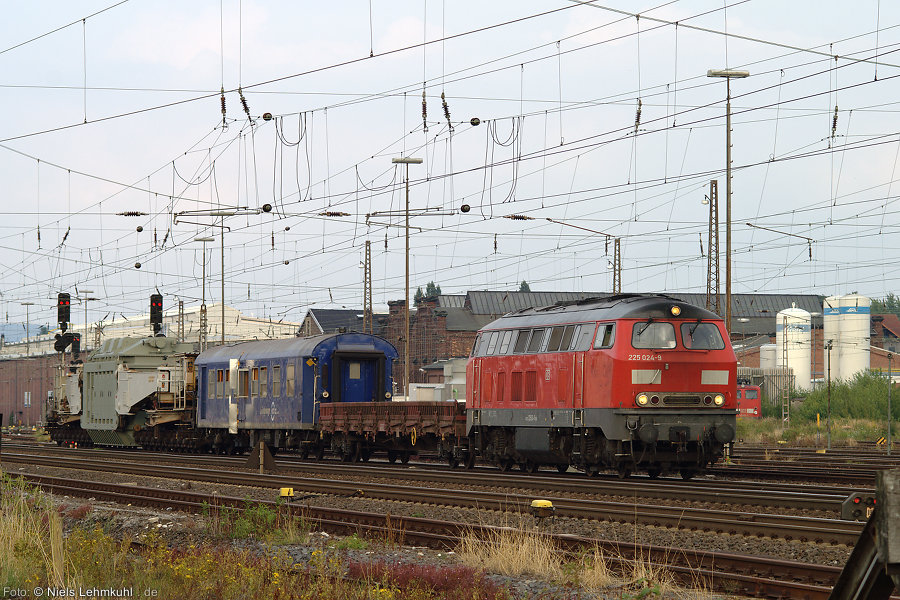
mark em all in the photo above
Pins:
pixel 751 575
pixel 787 527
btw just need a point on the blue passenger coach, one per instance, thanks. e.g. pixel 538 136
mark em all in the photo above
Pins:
pixel 270 390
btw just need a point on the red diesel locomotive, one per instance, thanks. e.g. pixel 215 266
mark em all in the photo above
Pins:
pixel 626 382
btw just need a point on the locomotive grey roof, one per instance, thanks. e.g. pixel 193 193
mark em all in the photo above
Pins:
pixel 602 308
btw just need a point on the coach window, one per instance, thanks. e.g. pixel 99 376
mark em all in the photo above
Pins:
pixel 243 383
pixel 652 335
pixel 263 382
pixel 504 343
pixel 701 336
pixel 605 336
pixel 276 380
pixel 289 379
pixel 521 341
pixel 556 336
pixel 492 342
pixel 211 386
pixel 254 382
pixel 220 385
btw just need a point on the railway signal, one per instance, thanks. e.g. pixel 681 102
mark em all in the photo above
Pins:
pixel 63 304
pixel 156 312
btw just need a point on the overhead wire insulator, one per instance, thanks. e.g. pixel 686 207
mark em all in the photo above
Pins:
pixel 132 213
pixel 424 112
pixel 65 236
pixel 519 217
pixel 637 116
pixel 273 240
pixel 446 111
pixel 222 98
pixel 495 243
pixel 834 122
pixel 39 236
pixel 244 102
pixel 154 237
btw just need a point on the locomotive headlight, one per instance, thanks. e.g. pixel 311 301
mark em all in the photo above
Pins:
pixel 719 399
pixel 642 399
pixel 676 310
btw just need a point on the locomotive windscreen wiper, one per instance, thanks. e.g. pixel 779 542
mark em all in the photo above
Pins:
pixel 646 325
pixel 694 328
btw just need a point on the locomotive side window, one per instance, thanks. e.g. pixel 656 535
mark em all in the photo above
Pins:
pixel 652 335
pixel 537 336
pixel 701 336
pixel 504 344
pixel 263 382
pixel 567 338
pixel 605 336
pixel 521 341
pixel 492 342
pixel 556 335
pixel 581 341
pixel 276 380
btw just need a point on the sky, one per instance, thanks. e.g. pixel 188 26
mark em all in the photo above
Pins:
pixel 551 129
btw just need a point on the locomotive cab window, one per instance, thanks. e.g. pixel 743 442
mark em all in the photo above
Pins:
pixel 701 336
pixel 653 335
pixel 605 336
pixel 751 394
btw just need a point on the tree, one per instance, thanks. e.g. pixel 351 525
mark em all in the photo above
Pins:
pixel 419 296
pixel 432 290
pixel 890 305
pixel 44 330
pixel 524 287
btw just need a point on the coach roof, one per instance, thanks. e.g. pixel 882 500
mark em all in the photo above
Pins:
pixel 602 308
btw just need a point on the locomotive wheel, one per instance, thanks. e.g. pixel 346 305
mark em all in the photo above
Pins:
pixel 562 468
pixel 687 474
pixel 392 456
pixel 653 472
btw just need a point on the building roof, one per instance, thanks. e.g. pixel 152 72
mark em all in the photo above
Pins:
pixel 333 320
pixel 460 319
pixel 448 301
pixel 891 323
pixel 499 303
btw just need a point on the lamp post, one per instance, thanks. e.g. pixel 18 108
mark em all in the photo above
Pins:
pixel 85 300
pixel 27 327
pixel 828 344
pixel 203 322
pixel 890 385
pixel 728 74
pixel 406 160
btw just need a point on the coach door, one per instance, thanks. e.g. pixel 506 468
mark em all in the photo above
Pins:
pixel 358 379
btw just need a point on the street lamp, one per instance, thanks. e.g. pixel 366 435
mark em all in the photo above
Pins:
pixel 728 74
pixel 27 327
pixel 890 385
pixel 406 161
pixel 203 322
pixel 828 344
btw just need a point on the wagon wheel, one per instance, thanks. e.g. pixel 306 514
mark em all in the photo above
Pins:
pixel 453 461
pixel 560 468
pixel 653 472
pixel 532 467
pixel 392 456
pixel 624 471
pixel 505 464
pixel 591 470
pixel 404 457
pixel 470 460
pixel 687 474
pixel 320 453
pixel 365 455
pixel 304 452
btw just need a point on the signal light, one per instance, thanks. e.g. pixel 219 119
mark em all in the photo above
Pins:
pixel 76 344
pixel 63 303
pixel 156 311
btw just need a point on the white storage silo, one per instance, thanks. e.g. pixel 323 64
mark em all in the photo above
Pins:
pixel 793 342
pixel 767 356
pixel 855 328
pixel 832 331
